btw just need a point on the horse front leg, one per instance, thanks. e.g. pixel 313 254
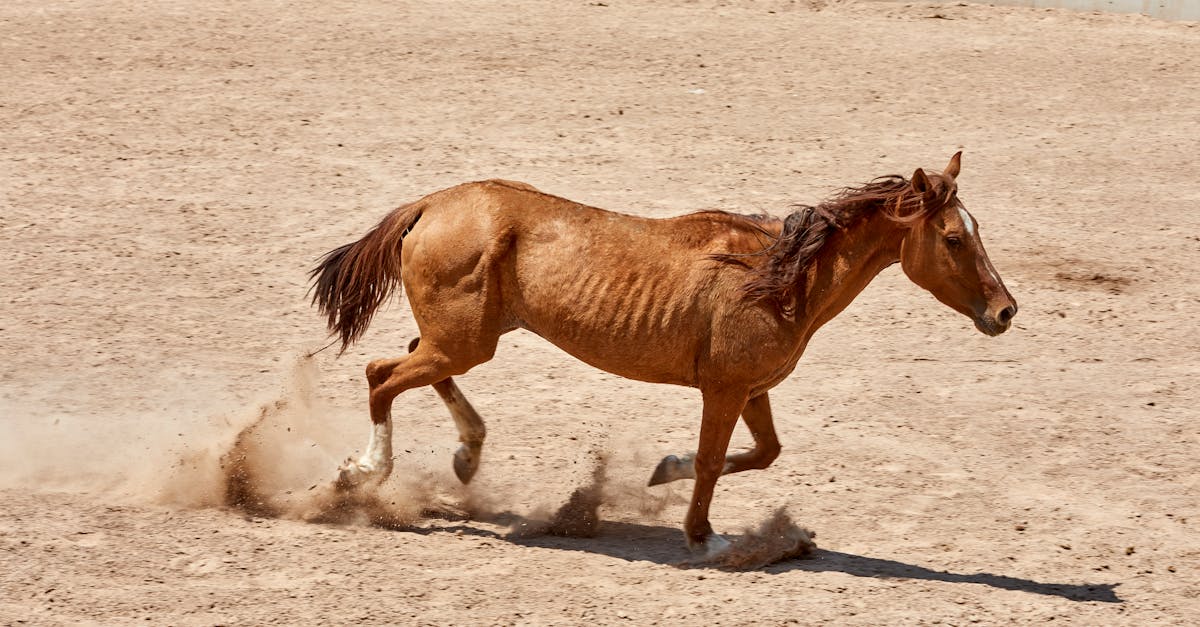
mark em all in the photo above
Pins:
pixel 757 416
pixel 721 409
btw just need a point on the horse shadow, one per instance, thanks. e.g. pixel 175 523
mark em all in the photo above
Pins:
pixel 634 542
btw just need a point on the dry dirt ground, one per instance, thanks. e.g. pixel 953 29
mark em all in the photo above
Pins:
pixel 169 172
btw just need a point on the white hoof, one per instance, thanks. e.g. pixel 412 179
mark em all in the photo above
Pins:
pixel 353 474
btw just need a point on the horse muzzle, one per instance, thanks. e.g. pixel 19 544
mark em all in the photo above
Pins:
pixel 993 324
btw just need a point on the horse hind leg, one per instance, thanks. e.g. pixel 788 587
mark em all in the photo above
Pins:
pixel 674 468
pixel 387 379
pixel 471 430
pixel 757 416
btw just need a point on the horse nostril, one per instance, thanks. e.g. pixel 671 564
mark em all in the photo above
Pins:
pixel 1007 314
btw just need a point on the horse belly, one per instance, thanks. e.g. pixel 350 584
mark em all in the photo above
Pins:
pixel 642 357
pixel 620 317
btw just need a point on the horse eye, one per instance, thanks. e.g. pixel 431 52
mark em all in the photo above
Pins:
pixel 953 241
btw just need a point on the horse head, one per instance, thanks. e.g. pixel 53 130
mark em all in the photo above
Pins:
pixel 943 253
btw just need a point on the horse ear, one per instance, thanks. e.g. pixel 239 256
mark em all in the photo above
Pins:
pixel 955 166
pixel 920 182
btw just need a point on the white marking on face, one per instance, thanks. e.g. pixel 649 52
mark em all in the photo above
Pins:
pixel 968 221
pixel 969 224
pixel 992 271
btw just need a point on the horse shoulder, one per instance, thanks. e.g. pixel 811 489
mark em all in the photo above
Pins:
pixel 748 342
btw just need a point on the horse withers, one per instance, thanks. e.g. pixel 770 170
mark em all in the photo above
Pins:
pixel 716 301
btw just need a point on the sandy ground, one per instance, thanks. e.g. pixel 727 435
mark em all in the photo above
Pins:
pixel 169 173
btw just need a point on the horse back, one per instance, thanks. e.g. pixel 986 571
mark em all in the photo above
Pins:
pixel 635 296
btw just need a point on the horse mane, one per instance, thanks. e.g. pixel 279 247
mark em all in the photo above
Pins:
pixel 781 278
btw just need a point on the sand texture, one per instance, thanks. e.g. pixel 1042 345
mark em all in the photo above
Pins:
pixel 170 171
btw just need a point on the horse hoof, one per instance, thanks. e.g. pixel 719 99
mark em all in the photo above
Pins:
pixel 673 468
pixel 356 474
pixel 466 463
pixel 349 476
pixel 713 546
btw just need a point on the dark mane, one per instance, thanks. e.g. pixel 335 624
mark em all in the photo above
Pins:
pixel 781 278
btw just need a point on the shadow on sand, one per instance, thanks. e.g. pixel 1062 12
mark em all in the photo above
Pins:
pixel 664 545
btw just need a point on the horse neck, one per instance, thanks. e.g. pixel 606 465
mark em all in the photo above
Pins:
pixel 846 265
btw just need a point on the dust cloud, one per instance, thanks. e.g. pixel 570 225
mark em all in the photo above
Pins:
pixel 580 516
pixel 277 459
pixel 278 465
pixel 775 540
pixel 127 457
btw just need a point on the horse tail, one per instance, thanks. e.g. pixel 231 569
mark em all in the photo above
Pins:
pixel 350 282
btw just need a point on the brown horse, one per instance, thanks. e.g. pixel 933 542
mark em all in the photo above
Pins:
pixel 716 301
